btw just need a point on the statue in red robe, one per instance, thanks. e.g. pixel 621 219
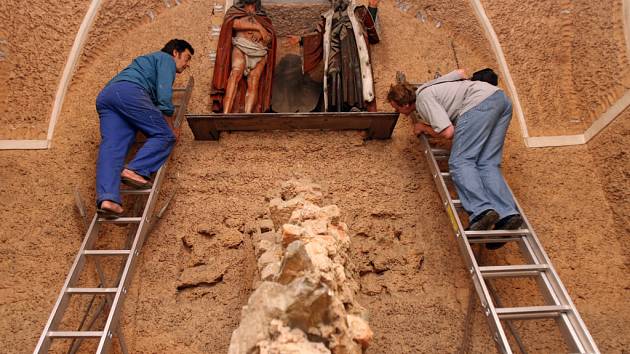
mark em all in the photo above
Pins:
pixel 246 56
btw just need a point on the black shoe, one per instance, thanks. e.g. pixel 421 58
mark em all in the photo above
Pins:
pixel 484 221
pixel 511 222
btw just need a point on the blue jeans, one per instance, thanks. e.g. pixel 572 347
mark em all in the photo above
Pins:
pixel 125 108
pixel 475 161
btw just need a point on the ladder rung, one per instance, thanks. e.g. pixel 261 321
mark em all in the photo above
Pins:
pixel 513 270
pixel 445 174
pixel 457 203
pixel 75 334
pixel 179 89
pixel 106 252
pixel 442 152
pixel 531 312
pixel 92 291
pixel 125 220
pixel 496 233
pixel 135 191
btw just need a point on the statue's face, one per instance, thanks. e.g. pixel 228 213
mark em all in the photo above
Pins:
pixel 340 5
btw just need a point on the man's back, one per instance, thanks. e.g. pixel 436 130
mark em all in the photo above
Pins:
pixel 155 73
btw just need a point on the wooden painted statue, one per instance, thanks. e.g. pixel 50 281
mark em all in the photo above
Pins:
pixel 341 44
pixel 245 61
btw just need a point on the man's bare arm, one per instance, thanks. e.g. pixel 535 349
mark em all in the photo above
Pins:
pixel 421 128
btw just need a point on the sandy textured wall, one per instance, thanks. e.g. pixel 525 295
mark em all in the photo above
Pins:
pixel 568 59
pixel 116 17
pixel 610 152
pixel 601 67
pixel 456 17
pixel 38 39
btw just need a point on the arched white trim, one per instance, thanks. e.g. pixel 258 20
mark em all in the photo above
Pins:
pixel 62 88
pixel 563 140
pixel 73 59
pixel 491 35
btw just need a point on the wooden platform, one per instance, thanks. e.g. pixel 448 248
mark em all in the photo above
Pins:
pixel 378 125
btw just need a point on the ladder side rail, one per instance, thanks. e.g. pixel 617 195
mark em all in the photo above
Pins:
pixel 577 331
pixel 114 313
pixel 61 304
pixel 482 290
pixel 143 228
pixel 530 255
pixel 571 325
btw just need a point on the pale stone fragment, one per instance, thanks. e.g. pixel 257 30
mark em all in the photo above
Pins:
pixel 360 331
pixel 296 262
pixel 315 227
pixel 270 271
pixel 291 233
pixel 272 255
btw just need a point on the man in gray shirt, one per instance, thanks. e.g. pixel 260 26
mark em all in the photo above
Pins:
pixel 476 116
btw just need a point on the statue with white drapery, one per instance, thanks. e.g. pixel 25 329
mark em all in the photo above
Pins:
pixel 337 54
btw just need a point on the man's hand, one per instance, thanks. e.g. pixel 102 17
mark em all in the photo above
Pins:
pixel 170 120
pixel 463 73
pixel 421 128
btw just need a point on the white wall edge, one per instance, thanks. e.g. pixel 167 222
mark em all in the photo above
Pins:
pixel 562 140
pixel 492 37
pixel 607 117
pixel 554 141
pixel 24 144
pixel 71 63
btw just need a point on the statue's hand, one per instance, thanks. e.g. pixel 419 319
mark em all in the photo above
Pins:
pixel 293 40
pixel 266 37
pixel 373 3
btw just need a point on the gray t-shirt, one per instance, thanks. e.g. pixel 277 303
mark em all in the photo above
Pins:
pixel 440 102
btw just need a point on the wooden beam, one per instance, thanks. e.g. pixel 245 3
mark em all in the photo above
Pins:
pixel 379 125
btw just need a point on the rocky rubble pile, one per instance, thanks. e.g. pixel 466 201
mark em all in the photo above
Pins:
pixel 304 298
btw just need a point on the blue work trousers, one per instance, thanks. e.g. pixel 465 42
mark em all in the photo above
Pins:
pixel 124 108
pixel 476 154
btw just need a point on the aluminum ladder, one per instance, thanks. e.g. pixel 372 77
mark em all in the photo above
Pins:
pixel 558 304
pixel 113 295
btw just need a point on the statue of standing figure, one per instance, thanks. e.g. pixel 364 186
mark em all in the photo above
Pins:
pixel 341 44
pixel 245 61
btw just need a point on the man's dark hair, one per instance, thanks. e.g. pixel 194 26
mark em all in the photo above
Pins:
pixel 486 75
pixel 179 45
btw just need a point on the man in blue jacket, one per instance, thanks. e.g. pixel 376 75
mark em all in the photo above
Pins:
pixel 139 98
